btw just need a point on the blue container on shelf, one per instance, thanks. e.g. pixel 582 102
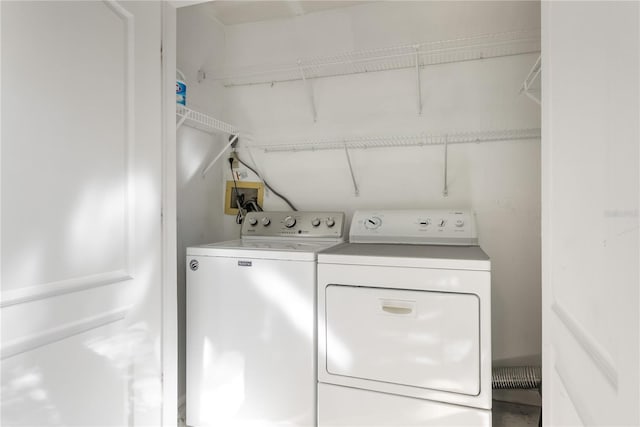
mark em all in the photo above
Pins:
pixel 181 92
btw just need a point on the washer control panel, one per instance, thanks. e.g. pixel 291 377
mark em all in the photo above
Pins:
pixel 294 224
pixel 429 226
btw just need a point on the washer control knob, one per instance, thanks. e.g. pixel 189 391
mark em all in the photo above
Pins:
pixel 330 222
pixel 315 222
pixel 442 222
pixel 253 221
pixel 265 221
pixel 289 221
pixel 459 223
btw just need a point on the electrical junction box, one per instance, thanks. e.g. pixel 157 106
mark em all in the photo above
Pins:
pixel 250 190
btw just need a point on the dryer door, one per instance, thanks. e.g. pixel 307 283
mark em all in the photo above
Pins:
pixel 423 339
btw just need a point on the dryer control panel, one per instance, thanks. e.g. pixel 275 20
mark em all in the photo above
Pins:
pixel 422 227
pixel 294 225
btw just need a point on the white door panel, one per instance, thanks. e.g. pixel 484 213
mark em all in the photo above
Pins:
pixel 81 196
pixel 591 187
pixel 65 99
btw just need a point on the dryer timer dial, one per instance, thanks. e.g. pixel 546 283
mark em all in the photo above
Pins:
pixel 372 223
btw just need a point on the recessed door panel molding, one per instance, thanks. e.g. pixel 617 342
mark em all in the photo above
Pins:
pixel 598 353
pixel 129 83
pixel 20 321
pixel 53 289
pixel 571 368
pixel 53 335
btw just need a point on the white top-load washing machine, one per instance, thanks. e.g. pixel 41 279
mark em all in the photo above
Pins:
pixel 404 322
pixel 251 321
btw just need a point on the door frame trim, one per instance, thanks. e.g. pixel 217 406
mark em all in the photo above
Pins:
pixel 169 353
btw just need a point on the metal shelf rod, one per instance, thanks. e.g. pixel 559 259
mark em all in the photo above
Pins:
pixel 353 177
pixel 445 190
pixel 418 83
pixel 309 92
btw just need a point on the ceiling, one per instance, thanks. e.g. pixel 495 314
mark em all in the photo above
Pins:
pixel 240 12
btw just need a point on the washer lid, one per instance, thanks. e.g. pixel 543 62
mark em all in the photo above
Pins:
pixel 262 249
pixel 396 255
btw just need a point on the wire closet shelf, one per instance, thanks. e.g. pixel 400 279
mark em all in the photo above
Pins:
pixel 365 142
pixel 387 58
pixel 210 125
pixel 202 121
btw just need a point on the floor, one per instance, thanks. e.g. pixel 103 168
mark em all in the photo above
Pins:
pixel 507 414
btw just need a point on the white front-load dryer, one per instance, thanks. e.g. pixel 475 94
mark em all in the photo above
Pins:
pixel 251 322
pixel 404 323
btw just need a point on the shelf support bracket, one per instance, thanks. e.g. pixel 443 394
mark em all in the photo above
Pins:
pixel 533 98
pixel 182 120
pixel 309 91
pixel 445 190
pixel 353 177
pixel 531 77
pixel 213 162
pixel 418 82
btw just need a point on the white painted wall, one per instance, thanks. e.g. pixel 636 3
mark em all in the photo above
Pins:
pixel 500 181
pixel 200 205
pixel 591 188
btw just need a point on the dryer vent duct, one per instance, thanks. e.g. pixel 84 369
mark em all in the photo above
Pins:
pixel 517 377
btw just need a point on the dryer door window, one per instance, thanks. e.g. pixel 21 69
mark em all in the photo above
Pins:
pixel 421 339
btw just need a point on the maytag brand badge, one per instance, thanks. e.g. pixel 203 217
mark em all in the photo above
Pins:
pixel 244 263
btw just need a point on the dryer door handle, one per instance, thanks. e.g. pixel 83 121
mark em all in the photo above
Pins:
pixel 397 307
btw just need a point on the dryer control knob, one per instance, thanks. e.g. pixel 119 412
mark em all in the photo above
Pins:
pixel 266 221
pixel 459 223
pixel 289 221
pixel 315 222
pixel 253 221
pixel 330 222
pixel 372 223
